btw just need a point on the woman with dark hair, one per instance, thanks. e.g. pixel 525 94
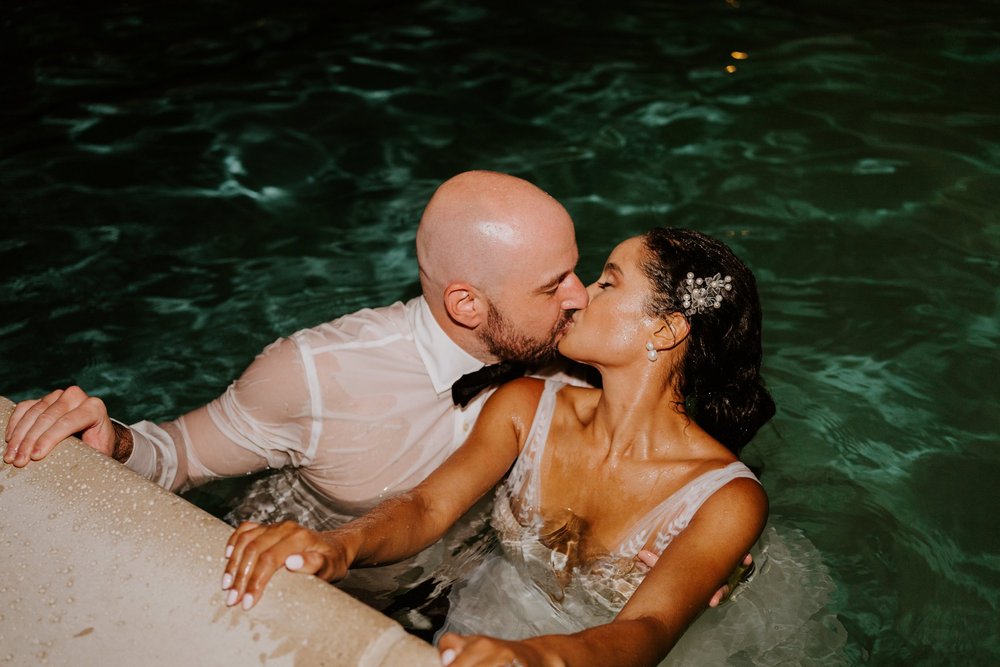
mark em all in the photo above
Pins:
pixel 594 476
pixel 719 376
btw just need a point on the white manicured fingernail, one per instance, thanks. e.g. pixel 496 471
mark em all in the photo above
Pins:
pixel 247 601
pixel 448 656
pixel 233 596
pixel 295 562
pixel 227 581
pixel 229 550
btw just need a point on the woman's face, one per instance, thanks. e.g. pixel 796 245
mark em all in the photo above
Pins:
pixel 614 328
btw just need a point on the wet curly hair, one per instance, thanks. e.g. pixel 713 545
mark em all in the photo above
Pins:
pixel 719 376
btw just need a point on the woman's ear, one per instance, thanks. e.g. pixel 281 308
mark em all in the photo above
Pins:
pixel 672 332
pixel 464 306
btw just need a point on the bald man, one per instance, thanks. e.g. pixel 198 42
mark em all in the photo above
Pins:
pixel 360 408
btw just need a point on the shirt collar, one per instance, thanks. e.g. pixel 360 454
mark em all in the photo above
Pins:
pixel 444 359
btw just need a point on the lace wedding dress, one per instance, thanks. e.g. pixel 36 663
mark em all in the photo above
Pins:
pixel 531 584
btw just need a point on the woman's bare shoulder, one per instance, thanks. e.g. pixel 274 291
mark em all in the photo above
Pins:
pixel 742 499
pixel 517 395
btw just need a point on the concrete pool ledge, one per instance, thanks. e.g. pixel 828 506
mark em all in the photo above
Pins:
pixel 100 566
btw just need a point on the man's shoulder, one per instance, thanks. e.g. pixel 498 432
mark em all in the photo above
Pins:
pixel 367 327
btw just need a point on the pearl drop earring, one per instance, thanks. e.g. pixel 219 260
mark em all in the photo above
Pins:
pixel 650 352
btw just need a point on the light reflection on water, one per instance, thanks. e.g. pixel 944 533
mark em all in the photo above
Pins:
pixel 182 184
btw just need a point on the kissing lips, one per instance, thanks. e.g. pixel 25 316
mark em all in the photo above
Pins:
pixel 566 325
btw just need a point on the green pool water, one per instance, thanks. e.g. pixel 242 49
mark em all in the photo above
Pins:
pixel 184 182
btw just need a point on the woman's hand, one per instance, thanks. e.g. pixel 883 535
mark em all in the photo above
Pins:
pixel 477 651
pixel 256 552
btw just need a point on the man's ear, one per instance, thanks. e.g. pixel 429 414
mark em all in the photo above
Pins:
pixel 674 328
pixel 464 305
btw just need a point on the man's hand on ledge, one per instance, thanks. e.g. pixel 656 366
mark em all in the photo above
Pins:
pixel 37 425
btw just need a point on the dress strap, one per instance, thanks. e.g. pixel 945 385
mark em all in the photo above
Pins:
pixel 675 512
pixel 524 482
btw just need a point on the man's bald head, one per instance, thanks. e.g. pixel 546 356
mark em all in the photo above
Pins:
pixel 479 224
pixel 497 258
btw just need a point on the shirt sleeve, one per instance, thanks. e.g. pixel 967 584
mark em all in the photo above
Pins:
pixel 153 455
pixel 264 419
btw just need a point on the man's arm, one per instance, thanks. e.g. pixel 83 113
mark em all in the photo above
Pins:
pixel 256 423
pixel 124 442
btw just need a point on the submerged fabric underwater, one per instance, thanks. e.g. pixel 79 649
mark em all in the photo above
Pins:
pixel 185 182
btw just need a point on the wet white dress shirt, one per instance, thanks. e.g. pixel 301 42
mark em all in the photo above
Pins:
pixel 361 408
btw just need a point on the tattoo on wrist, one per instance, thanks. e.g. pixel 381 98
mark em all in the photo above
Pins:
pixel 123 442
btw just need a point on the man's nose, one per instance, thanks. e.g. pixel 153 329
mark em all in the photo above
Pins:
pixel 576 297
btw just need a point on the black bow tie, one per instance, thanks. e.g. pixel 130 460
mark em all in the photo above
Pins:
pixel 470 385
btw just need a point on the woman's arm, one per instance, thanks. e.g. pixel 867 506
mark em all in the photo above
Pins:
pixel 398 527
pixel 672 594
